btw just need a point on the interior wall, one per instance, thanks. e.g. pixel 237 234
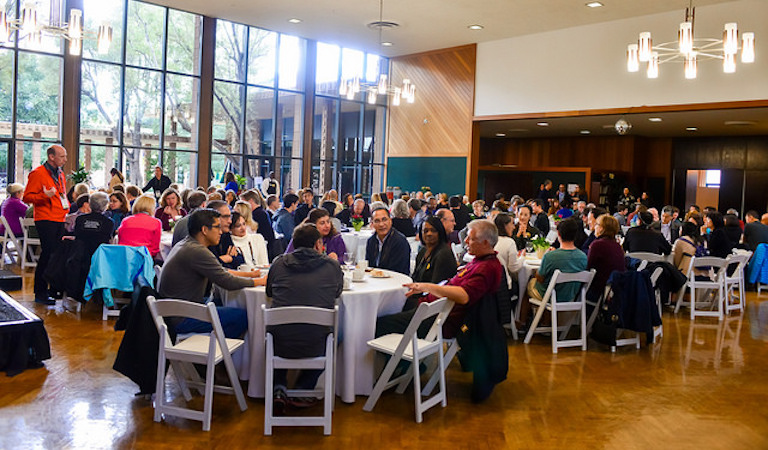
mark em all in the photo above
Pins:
pixel 439 123
pixel 584 68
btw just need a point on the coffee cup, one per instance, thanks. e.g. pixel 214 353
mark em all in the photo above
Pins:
pixel 245 268
pixel 347 282
pixel 358 274
pixel 362 264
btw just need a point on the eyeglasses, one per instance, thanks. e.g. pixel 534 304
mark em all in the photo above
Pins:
pixel 384 220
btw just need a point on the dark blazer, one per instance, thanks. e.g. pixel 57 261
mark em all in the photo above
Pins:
pixel 542 223
pixel 674 229
pixel 404 226
pixel 395 253
pixel 641 239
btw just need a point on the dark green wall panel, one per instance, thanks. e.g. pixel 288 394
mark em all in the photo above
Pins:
pixel 442 174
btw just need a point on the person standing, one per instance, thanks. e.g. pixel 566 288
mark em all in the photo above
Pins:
pixel 270 186
pixel 47 191
pixel 158 184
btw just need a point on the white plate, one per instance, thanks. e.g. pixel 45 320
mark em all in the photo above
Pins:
pixel 358 281
pixel 386 275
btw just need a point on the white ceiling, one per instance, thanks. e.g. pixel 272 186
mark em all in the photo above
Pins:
pixel 424 24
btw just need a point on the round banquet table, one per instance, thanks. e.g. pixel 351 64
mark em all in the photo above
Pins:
pixel 358 309
pixel 355 242
pixel 166 242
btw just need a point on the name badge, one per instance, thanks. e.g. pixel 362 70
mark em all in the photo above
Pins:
pixel 64 201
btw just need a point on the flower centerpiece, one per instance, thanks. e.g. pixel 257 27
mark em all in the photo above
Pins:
pixel 357 222
pixel 79 176
pixel 240 181
pixel 540 246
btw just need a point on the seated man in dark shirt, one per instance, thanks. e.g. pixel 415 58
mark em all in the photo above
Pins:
pixel 287 283
pixel 94 228
pixel 387 248
pixel 643 238
pixel 471 283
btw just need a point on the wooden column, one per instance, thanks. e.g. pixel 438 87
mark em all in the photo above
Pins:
pixel 70 101
pixel 205 111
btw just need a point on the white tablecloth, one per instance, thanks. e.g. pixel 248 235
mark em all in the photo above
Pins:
pixel 166 241
pixel 358 310
pixel 355 242
pixel 530 264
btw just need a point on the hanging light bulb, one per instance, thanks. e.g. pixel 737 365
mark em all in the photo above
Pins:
pixel 76 24
pixel 28 18
pixel 412 93
pixel 396 97
pixel 342 88
pixel 729 63
pixel 350 91
pixel 372 95
pixel 690 66
pixel 5 28
pixel 748 48
pixel 730 39
pixel 355 85
pixel 633 64
pixel 406 88
pixel 36 39
pixel 685 38
pixel 653 66
pixel 645 45
pixel 104 38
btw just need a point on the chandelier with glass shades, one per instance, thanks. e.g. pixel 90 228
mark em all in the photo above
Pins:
pixel 690 50
pixel 28 27
pixel 406 91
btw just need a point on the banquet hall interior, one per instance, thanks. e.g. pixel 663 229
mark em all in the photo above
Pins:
pixel 457 97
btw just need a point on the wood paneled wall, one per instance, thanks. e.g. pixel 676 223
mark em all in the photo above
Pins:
pixel 640 160
pixel 439 122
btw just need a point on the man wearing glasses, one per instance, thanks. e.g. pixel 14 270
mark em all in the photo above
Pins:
pixel 191 266
pixel 225 250
pixel 387 248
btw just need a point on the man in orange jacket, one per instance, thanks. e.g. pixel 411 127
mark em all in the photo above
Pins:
pixel 47 191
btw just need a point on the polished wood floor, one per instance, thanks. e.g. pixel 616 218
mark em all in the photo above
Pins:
pixel 702 386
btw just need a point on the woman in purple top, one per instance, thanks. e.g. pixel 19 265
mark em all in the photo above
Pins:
pixel 605 254
pixel 13 208
pixel 332 240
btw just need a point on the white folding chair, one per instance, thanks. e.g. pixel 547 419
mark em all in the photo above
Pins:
pixel 409 347
pixel 11 245
pixel 549 303
pixel 29 257
pixel 736 281
pixel 208 349
pixel 681 294
pixel 301 315
pixel 716 282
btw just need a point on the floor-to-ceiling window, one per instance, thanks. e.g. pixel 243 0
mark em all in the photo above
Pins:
pixel 30 95
pixel 347 139
pixel 139 101
pixel 258 104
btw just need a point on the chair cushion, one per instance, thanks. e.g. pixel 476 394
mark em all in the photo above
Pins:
pixel 198 344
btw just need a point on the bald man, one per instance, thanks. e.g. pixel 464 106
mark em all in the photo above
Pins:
pixel 47 191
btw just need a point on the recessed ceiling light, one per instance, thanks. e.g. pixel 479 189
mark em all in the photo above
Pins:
pixel 500 134
pixel 542 124
pixel 654 119
pixel 294 20
pixel 585 132
pixel 691 129
pixel 475 27
pixel 594 4
pixel 386 44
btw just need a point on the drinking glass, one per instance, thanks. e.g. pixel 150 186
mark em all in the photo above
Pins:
pixel 348 260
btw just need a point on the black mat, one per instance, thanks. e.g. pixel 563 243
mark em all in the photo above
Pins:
pixel 23 339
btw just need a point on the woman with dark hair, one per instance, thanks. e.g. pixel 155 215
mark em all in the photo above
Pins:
pixel 524 231
pixel 118 208
pixel 435 261
pixel 170 208
pixel 117 178
pixel 229 178
pixel 717 240
pixel 506 249
pixel 733 228
pixel 332 240
pixel 231 198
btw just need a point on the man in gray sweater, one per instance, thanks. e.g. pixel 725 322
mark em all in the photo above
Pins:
pixel 189 268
